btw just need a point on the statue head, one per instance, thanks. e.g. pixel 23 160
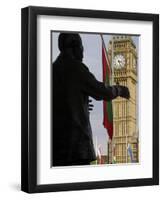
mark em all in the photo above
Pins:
pixel 71 44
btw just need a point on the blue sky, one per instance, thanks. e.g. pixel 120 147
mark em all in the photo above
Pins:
pixel 93 59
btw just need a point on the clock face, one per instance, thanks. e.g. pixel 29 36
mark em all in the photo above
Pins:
pixel 119 61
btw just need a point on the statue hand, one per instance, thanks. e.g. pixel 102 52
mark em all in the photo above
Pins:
pixel 90 105
pixel 123 91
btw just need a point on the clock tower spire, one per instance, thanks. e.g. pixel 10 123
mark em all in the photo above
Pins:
pixel 122 52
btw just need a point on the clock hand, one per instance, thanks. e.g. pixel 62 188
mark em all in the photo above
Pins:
pixel 120 62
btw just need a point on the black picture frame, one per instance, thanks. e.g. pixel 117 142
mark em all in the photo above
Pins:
pixel 29 99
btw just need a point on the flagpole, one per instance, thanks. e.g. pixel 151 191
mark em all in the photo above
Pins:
pixel 109 67
pixel 112 61
pixel 108 62
pixel 112 68
pixel 111 73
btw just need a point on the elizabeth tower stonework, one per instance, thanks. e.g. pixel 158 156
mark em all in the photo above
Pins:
pixel 124 58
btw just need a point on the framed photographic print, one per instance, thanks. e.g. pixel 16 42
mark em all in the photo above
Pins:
pixel 90 99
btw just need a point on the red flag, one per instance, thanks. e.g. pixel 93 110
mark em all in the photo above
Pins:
pixel 107 105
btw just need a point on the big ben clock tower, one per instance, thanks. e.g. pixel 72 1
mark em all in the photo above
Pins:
pixel 124 146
